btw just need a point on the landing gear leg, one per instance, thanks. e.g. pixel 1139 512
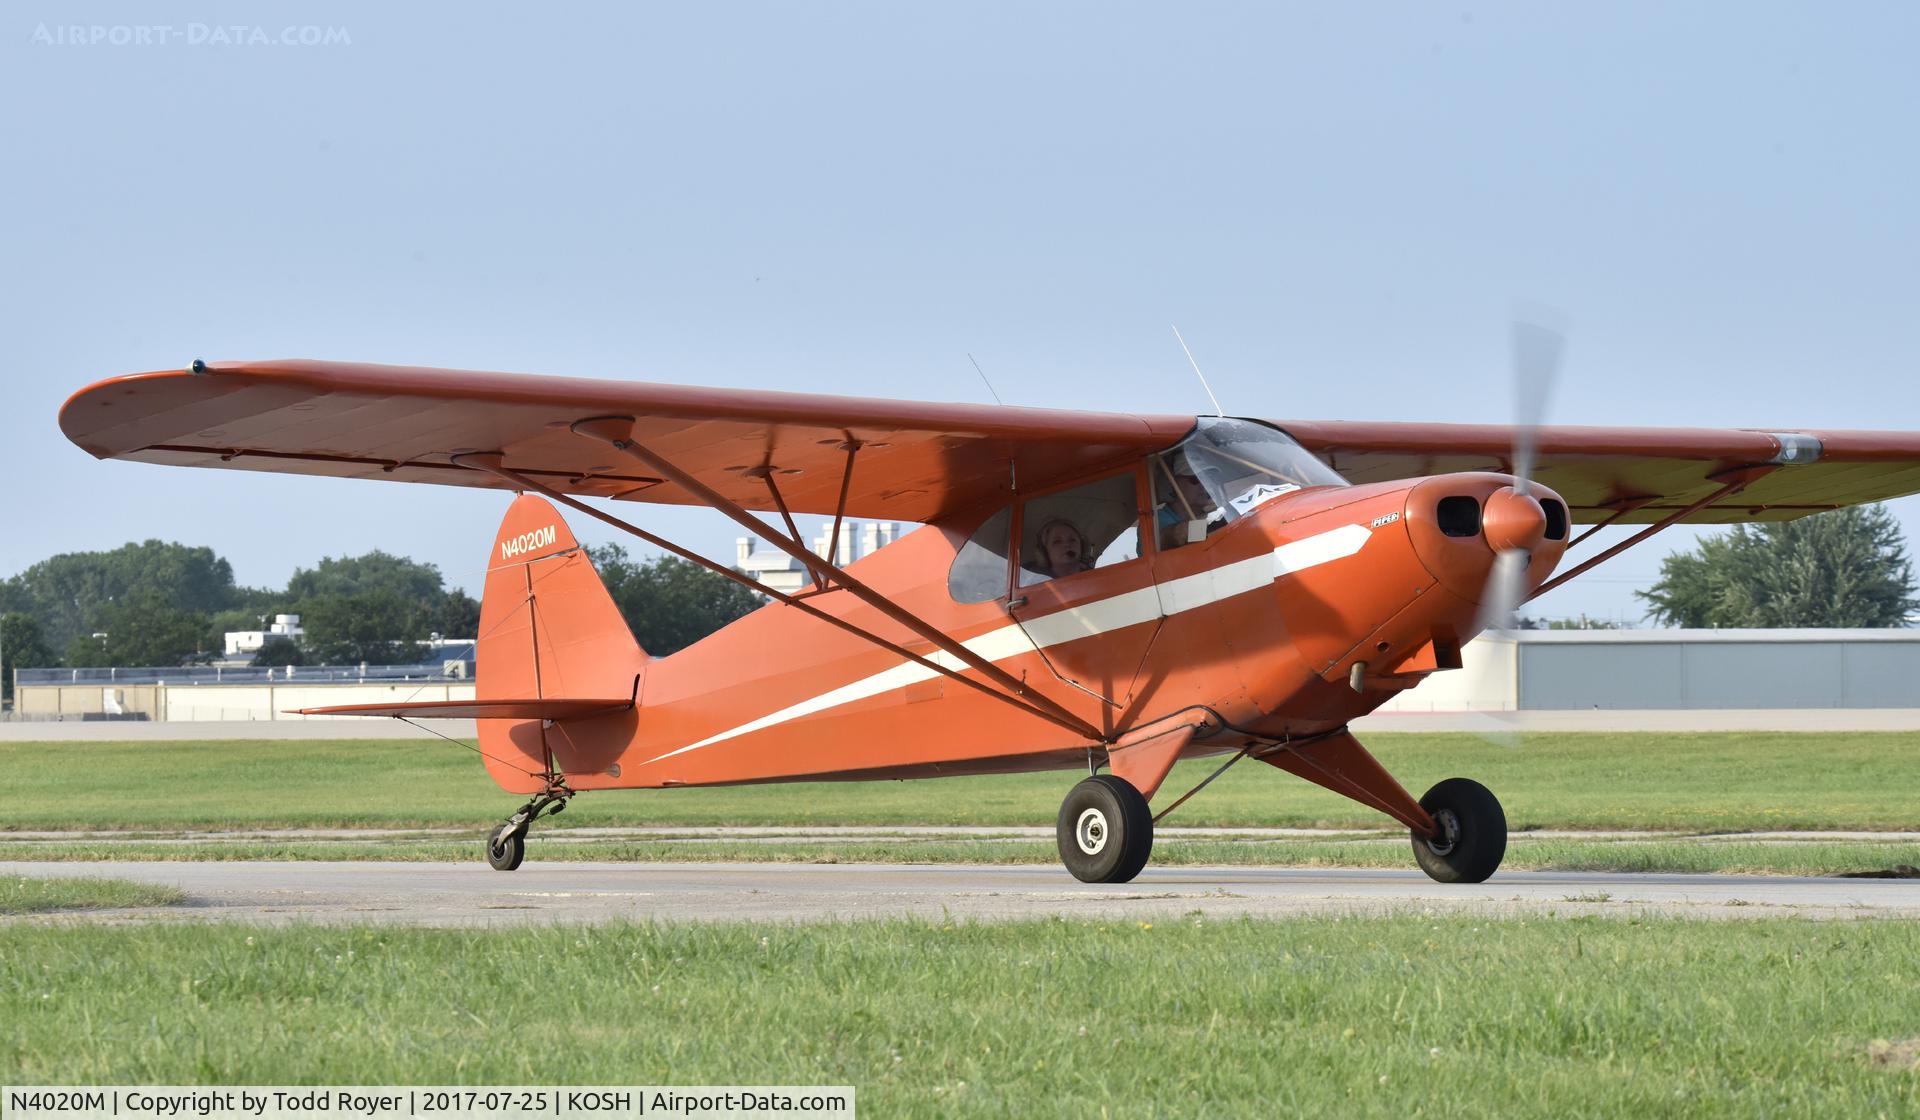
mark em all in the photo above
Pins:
pixel 1105 830
pixel 507 844
pixel 1459 830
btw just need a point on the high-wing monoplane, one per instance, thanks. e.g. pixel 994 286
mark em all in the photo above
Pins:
pixel 1095 591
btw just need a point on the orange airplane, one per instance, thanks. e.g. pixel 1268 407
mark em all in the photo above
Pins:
pixel 1088 590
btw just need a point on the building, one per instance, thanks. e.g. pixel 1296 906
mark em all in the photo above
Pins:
pixel 784 574
pixel 1646 670
pixel 246 643
pixel 1529 670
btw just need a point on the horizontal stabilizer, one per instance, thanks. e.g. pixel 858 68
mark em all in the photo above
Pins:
pixel 479 709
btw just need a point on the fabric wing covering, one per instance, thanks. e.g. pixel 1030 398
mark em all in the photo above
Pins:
pixel 917 461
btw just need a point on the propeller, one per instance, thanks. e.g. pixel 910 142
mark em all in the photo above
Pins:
pixel 1511 518
pixel 1537 350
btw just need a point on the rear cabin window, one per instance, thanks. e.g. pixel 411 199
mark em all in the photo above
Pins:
pixel 979 572
pixel 1078 530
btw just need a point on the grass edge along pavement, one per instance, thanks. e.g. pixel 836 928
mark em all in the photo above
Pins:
pixel 1685 782
pixel 1384 1016
pixel 1815 858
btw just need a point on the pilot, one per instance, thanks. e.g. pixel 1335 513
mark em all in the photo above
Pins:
pixel 1189 502
pixel 1063 549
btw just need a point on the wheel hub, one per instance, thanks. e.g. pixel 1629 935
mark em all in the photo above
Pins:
pixel 1449 832
pixel 1091 831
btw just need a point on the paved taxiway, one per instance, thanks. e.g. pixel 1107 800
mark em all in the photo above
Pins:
pixel 470 894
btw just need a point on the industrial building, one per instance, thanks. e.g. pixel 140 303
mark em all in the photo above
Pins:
pixel 1526 671
pixel 1663 670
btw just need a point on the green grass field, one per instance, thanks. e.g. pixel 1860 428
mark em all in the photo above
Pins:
pixel 1407 1016
pixel 39 896
pixel 1682 782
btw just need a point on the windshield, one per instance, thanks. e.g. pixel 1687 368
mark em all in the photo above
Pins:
pixel 1241 465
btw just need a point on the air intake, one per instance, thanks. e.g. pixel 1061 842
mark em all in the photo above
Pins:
pixel 1556 519
pixel 1459 516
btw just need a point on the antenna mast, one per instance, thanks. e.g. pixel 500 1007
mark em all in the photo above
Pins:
pixel 983 377
pixel 1197 373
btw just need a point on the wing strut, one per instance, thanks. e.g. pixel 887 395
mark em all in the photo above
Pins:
pixel 1038 706
pixel 1736 481
pixel 617 432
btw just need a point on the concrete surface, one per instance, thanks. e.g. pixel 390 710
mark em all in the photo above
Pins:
pixel 471 894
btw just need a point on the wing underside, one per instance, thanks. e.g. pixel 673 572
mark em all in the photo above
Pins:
pixel 1632 476
pixel 914 461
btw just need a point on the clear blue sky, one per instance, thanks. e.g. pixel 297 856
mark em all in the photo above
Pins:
pixel 1338 204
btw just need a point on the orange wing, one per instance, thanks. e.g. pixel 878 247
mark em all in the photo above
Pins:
pixel 918 462
pixel 1640 474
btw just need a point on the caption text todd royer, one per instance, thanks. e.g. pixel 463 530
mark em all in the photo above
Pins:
pixel 208 1102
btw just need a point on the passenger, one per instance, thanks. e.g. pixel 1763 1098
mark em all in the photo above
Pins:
pixel 1188 502
pixel 1063 549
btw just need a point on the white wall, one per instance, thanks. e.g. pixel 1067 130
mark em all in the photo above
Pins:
pixel 272 701
pixel 1651 670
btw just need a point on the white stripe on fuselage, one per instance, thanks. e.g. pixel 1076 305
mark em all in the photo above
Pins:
pixel 1099 617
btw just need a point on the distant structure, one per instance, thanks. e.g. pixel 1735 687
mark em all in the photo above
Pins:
pixel 784 574
pixel 246 643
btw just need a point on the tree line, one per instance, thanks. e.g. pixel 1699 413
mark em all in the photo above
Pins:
pixel 164 603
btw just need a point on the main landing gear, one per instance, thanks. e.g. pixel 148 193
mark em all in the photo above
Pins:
pixel 507 844
pixel 1472 836
pixel 1459 831
pixel 1105 830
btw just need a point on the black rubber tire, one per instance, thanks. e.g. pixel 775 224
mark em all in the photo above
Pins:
pixel 506 848
pixel 1105 830
pixel 1472 819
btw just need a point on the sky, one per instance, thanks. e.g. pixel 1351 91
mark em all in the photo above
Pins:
pixel 1339 205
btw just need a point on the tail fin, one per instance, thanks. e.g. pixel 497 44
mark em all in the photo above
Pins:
pixel 550 632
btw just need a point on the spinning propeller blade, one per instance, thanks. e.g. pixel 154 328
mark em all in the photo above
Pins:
pixel 1537 351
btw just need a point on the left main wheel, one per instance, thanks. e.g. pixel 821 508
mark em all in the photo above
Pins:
pixel 506 847
pixel 1473 833
pixel 1105 830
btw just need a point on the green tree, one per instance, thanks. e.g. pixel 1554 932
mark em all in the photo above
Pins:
pixel 1846 568
pixel 66 593
pixel 458 615
pixel 278 649
pixel 22 646
pixel 377 627
pixel 374 608
pixel 668 602
pixel 375 571
pixel 145 630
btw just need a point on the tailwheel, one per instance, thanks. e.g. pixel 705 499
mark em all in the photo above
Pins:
pixel 506 847
pixel 1105 830
pixel 1473 832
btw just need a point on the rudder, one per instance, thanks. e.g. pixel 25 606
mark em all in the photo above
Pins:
pixel 548 630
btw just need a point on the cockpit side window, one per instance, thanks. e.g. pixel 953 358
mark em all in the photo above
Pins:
pixel 979 572
pixel 1094 525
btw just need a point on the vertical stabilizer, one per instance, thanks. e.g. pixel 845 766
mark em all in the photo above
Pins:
pixel 550 631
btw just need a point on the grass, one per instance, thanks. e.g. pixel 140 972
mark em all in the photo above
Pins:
pixel 39 896
pixel 1731 781
pixel 1400 1017
pixel 1727 857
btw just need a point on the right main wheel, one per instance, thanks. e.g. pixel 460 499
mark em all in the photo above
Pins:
pixel 1105 830
pixel 1473 832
